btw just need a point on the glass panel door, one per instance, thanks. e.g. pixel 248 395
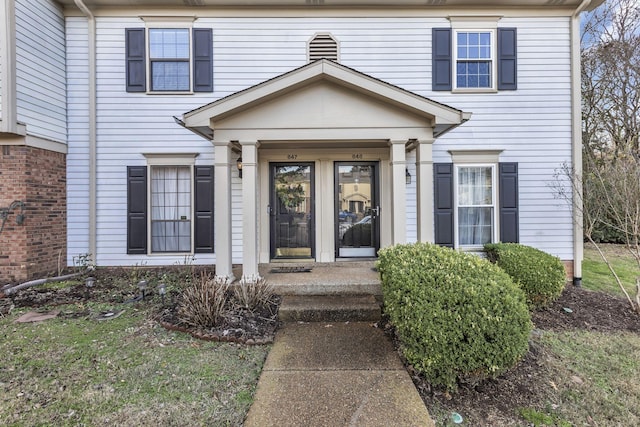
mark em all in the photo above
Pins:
pixel 292 210
pixel 357 209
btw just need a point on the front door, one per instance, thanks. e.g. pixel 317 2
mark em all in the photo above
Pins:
pixel 291 210
pixel 356 209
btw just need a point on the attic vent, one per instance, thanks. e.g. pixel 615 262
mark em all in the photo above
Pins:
pixel 193 2
pixel 323 46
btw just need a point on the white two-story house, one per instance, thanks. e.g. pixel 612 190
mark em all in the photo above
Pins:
pixel 242 133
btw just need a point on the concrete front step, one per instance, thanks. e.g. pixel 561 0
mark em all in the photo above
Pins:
pixel 339 278
pixel 329 308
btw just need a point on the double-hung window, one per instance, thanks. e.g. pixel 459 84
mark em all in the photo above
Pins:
pixel 475 205
pixel 171 211
pixel 474 59
pixel 169 59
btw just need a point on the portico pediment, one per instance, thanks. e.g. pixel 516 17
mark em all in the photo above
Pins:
pixel 323 101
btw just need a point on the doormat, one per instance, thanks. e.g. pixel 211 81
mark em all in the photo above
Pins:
pixel 291 269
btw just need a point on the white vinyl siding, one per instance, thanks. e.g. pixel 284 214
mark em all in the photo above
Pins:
pixel 532 125
pixel 40 69
pixel 1 83
pixel 129 125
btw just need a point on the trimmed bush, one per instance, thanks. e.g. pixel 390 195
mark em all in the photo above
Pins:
pixel 540 275
pixel 459 318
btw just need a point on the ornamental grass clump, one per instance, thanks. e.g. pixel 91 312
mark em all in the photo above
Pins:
pixel 459 318
pixel 204 302
pixel 252 292
pixel 540 275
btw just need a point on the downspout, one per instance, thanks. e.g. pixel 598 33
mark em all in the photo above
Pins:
pixel 576 147
pixel 91 21
pixel 8 106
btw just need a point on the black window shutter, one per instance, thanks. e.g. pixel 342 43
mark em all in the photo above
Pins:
pixel 204 209
pixel 136 60
pixel 507 59
pixel 441 59
pixel 136 209
pixel 202 60
pixel 509 225
pixel 443 203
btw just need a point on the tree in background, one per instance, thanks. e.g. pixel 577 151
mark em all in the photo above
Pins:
pixel 611 133
pixel 611 81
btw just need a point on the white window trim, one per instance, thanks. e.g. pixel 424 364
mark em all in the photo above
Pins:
pixel 471 23
pixel 475 156
pixel 182 159
pixel 493 59
pixel 164 22
pixel 494 201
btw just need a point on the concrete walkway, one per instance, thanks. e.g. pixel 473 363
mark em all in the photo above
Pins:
pixel 335 374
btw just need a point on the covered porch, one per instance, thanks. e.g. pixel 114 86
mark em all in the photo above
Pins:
pixel 330 124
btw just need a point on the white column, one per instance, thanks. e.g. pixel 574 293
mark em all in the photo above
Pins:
pixel 250 246
pixel 398 192
pixel 424 177
pixel 222 199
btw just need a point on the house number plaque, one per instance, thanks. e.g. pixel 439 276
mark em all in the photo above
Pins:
pixel 357 156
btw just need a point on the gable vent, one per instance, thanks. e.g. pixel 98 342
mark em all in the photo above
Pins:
pixel 323 46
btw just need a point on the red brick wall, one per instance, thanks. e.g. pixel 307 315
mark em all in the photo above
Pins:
pixel 38 178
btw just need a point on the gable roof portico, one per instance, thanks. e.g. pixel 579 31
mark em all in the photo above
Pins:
pixel 320 102
pixel 320 105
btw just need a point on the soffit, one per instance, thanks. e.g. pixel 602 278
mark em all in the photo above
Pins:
pixel 334 3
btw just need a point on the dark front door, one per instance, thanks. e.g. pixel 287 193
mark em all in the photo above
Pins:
pixel 292 210
pixel 356 209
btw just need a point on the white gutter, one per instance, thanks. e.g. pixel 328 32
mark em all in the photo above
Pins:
pixel 576 146
pixel 91 21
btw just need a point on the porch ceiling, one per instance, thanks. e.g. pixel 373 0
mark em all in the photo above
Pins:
pixel 323 101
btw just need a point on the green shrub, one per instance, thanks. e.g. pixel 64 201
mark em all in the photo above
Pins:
pixel 540 275
pixel 458 317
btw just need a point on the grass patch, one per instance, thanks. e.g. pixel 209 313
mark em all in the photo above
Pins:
pixel 596 275
pixel 542 418
pixel 595 377
pixel 128 370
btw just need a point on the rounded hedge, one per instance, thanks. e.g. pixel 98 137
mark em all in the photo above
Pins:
pixel 459 318
pixel 540 275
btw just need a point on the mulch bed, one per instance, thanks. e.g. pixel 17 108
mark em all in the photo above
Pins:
pixel 594 311
pixel 238 325
pixel 117 287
